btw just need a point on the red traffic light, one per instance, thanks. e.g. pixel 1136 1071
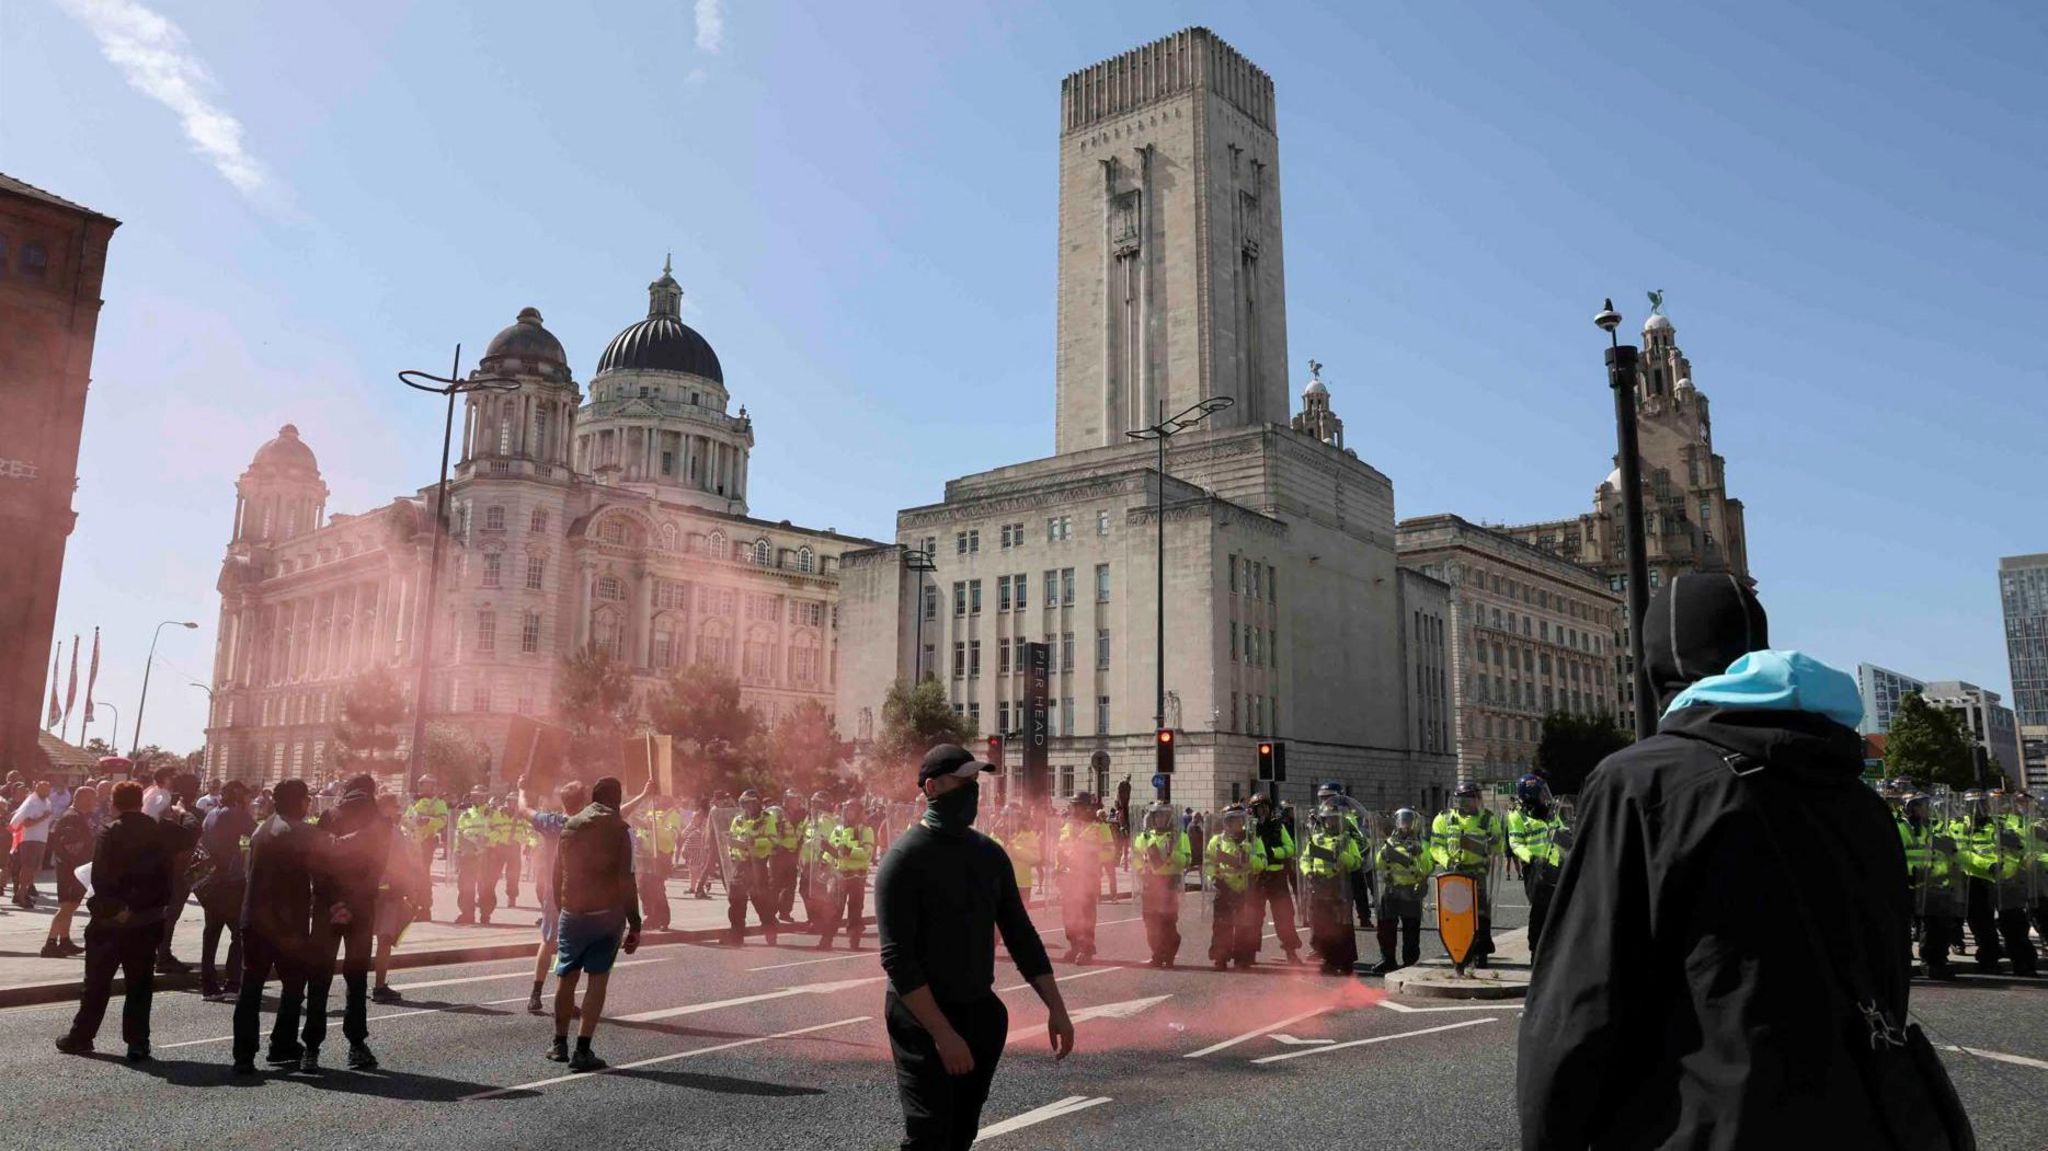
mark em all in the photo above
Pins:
pixel 1166 735
pixel 1265 749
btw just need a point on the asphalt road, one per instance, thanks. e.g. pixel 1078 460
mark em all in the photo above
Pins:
pixel 761 1048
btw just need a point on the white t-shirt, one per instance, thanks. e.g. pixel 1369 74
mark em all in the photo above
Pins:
pixel 156 801
pixel 34 807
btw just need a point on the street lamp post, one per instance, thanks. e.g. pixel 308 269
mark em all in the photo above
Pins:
pixel 206 749
pixel 136 744
pixel 1621 377
pixel 1162 431
pixel 921 562
pixel 450 387
pixel 116 725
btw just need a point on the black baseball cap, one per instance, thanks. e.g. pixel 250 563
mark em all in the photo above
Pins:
pixel 950 759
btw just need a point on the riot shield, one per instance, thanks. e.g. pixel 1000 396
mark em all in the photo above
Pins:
pixel 1402 867
pixel 2015 891
pixel 723 864
pixel 1160 854
pixel 1940 888
pixel 1471 844
pixel 2033 820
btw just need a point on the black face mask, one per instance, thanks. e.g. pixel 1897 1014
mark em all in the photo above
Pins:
pixel 953 812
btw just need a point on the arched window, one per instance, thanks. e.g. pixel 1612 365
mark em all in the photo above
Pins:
pixel 764 555
pixel 760 655
pixel 668 645
pixel 803 659
pixel 539 523
pixel 608 633
pixel 714 645
pixel 494 518
pixel 715 546
pixel 805 559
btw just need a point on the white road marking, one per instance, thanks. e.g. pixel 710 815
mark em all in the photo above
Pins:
pixel 1369 1042
pixel 371 1019
pixel 746 1000
pixel 1101 924
pixel 811 962
pixel 1404 1009
pixel 1062 979
pixel 1998 1056
pixel 525 974
pixel 1067 1106
pixel 1124 1010
pixel 1274 1026
pixel 695 1051
pixel 1291 1041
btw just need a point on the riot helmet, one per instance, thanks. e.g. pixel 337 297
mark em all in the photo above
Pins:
pixel 1465 798
pixel 1534 795
pixel 750 802
pixel 1159 817
pixel 1408 823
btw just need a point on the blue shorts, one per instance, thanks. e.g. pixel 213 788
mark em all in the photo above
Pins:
pixel 588 941
pixel 550 917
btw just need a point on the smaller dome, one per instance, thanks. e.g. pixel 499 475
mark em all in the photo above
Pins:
pixel 1684 385
pixel 1316 387
pixel 1613 480
pixel 1658 322
pixel 526 339
pixel 286 454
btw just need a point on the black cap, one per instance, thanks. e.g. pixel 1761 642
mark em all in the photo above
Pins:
pixel 950 759
pixel 1696 626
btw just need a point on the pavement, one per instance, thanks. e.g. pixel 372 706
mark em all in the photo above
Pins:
pixel 761 1048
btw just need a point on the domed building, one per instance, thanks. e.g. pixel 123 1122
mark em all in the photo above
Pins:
pixel 617 519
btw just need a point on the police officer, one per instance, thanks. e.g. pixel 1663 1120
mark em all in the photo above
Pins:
pixel 1935 875
pixel 749 843
pixel 649 873
pixel 1084 847
pixel 1361 879
pixel 1159 855
pixel 816 879
pixel 1404 867
pixel 1534 832
pixel 783 862
pixel 848 853
pixel 1274 887
pixel 1021 839
pixel 1232 862
pixel 425 819
pixel 1329 858
pixel 475 895
pixel 504 856
pixel 1464 841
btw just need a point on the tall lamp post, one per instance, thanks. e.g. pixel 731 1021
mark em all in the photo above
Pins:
pixel 450 387
pixel 1621 377
pixel 206 749
pixel 135 745
pixel 116 725
pixel 1163 431
pixel 919 561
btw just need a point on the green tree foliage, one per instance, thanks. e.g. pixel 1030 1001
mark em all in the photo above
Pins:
pixel 716 739
pixel 594 696
pixel 457 762
pixel 1927 745
pixel 914 717
pixel 99 747
pixel 372 708
pixel 1572 746
pixel 804 751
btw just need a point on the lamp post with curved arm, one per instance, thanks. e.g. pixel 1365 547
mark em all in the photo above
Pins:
pixel 206 749
pixel 1621 377
pixel 450 386
pixel 135 744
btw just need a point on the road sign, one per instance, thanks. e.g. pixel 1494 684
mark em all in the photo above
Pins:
pixel 1158 780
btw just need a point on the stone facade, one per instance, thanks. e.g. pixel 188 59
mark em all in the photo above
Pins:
pixel 1530 634
pixel 53 256
pixel 1284 612
pixel 652 558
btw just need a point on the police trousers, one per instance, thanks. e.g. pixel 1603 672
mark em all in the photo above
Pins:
pixel 845 899
pixel 1271 889
pixel 942 1112
pixel 1160 896
pixel 749 884
pixel 1235 925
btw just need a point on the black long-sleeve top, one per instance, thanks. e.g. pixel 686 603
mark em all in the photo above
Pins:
pixel 131 869
pixel 939 899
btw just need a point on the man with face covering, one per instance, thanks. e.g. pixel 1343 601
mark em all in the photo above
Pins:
pixel 1730 873
pixel 943 892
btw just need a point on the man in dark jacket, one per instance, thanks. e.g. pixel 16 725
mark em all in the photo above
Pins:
pixel 1680 992
pixel 224 837
pixel 600 915
pixel 358 841
pixel 181 823
pixel 277 916
pixel 131 885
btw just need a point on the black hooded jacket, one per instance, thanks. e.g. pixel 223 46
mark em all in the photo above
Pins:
pixel 1678 1000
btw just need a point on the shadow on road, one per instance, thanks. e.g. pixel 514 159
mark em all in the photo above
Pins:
pixel 404 1085
pixel 720 1084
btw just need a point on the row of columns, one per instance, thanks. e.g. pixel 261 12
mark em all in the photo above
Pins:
pixel 639 623
pixel 703 463
pixel 332 632
pixel 520 425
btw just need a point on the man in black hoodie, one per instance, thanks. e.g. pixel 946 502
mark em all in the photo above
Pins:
pixel 1680 995
pixel 358 838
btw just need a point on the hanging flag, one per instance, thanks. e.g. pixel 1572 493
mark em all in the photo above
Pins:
pixel 92 677
pixel 56 666
pixel 71 692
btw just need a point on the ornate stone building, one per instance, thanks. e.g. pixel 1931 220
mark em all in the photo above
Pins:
pixel 621 521
pixel 1283 604
pixel 53 255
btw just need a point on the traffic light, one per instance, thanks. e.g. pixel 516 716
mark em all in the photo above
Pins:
pixel 1164 740
pixel 1265 761
pixel 1272 761
pixel 995 752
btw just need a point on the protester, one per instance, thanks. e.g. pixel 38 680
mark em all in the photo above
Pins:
pixel 181 825
pixel 158 796
pixel 357 846
pixel 401 895
pixel 943 892
pixel 224 837
pixel 547 824
pixel 1715 919
pixel 131 884
pixel 600 916
pixel 31 825
pixel 277 930
pixel 70 848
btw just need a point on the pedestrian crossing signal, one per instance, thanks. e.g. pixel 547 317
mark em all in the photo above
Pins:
pixel 1164 740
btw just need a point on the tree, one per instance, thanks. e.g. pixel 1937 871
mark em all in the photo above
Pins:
pixel 1572 746
pixel 715 735
pixel 371 711
pixel 914 717
pixel 97 747
pixel 594 695
pixel 457 762
pixel 1927 745
pixel 804 751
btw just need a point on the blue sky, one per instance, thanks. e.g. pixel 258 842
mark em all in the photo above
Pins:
pixel 1843 202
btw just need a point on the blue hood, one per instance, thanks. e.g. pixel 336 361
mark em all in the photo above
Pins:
pixel 1779 681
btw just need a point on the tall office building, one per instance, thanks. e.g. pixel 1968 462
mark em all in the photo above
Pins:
pixel 2023 594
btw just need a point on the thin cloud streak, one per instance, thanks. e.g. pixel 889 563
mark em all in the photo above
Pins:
pixel 154 56
pixel 711 25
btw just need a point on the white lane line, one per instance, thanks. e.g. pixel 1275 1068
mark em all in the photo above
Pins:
pixel 1998 1056
pixel 1124 1010
pixel 1308 1051
pixel 746 1000
pixel 382 1018
pixel 1063 979
pixel 695 1051
pixel 812 962
pixel 1404 1009
pixel 526 974
pixel 1067 1106
pixel 1274 1026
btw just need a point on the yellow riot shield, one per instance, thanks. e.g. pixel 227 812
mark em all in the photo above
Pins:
pixel 1457 915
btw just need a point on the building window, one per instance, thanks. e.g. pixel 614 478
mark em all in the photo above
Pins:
pixel 1272 585
pixel 494 518
pixel 1066 652
pixel 767 608
pixel 1006 537
pixel 803 662
pixel 1233 641
pixel 608 633
pixel 959 597
pixel 764 554
pixel 1002 593
pixel 931 660
pixel 931 602
pixel 35 261
pixel 492 562
pixel 1003 713
pixel 1102 715
pixel 487 630
pixel 973 541
pixel 609 588
pixel 1233 573
pixel 1020 582
pixel 974 597
pixel 529 633
pixel 810 613
pixel 1102 523
pixel 667 644
pixel 974 659
pixel 1102 647
pixel 959 543
pixel 1052 585
pixel 760 657
pixel 1067 714
pixel 1066 781
pixel 536 567
pixel 959 659
pixel 1002 657
pixel 1101 583
pixel 670 595
pixel 1066 587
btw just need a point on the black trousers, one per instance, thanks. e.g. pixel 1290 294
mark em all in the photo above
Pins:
pixel 1079 890
pixel 1271 889
pixel 750 884
pixel 1410 930
pixel 353 944
pixel 1362 883
pixel 652 880
pixel 131 951
pixel 1162 927
pixel 1330 932
pixel 941 1112
pixel 1982 913
pixel 508 863
pixel 1937 934
pixel 260 957
pixel 1539 882
pixel 475 887
pixel 845 900
pixel 782 874
pixel 223 913
pixel 180 892
pixel 1235 926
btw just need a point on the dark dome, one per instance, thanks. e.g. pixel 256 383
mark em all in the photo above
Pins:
pixel 527 340
pixel 662 342
pixel 286 453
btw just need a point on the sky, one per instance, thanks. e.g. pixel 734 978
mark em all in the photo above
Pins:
pixel 1843 204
